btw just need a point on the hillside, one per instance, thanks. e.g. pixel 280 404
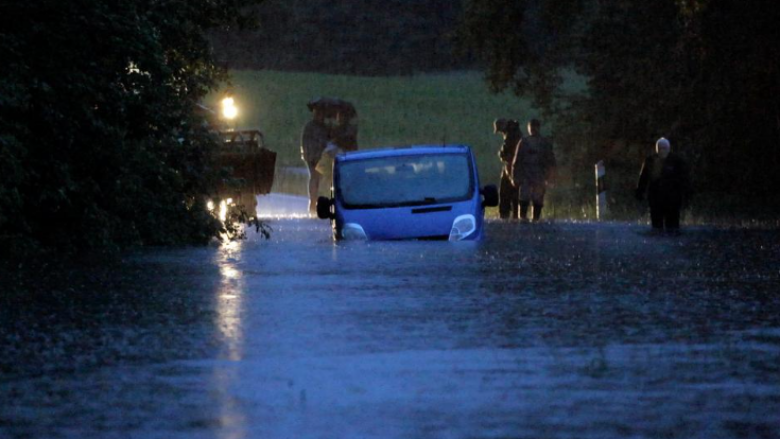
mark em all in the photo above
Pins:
pixel 427 108
pixel 432 108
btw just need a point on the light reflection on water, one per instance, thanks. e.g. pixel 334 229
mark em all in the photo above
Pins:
pixel 561 330
pixel 282 206
pixel 233 421
pixel 230 298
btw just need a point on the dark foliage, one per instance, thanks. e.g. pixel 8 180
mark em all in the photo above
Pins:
pixel 704 73
pixel 99 145
pixel 369 37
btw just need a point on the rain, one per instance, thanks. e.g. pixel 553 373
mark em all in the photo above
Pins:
pixel 389 219
pixel 562 329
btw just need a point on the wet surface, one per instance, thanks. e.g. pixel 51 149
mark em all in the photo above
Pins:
pixel 553 330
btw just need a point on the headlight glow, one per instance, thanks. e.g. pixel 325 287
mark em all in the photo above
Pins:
pixel 353 231
pixel 229 109
pixel 462 227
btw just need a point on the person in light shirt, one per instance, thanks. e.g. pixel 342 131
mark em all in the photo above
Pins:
pixel 314 141
pixel 507 192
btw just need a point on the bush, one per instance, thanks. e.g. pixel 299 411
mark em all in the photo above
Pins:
pixel 99 143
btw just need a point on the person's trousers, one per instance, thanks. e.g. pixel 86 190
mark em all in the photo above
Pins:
pixel 665 216
pixel 507 198
pixel 532 192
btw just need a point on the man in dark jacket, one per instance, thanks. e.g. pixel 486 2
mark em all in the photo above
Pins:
pixel 664 177
pixel 507 192
pixel 532 169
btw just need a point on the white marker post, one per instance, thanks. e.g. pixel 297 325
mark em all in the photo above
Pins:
pixel 601 191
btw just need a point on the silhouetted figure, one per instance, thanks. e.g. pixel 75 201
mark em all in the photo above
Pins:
pixel 507 191
pixel 664 177
pixel 345 132
pixel 314 140
pixel 532 168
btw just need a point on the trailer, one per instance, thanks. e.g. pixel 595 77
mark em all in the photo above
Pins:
pixel 250 165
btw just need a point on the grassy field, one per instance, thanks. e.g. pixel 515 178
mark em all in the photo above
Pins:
pixel 447 108
pixel 437 108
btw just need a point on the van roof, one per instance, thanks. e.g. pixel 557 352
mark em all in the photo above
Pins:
pixel 403 151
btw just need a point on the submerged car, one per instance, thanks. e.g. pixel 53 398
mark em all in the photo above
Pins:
pixel 418 192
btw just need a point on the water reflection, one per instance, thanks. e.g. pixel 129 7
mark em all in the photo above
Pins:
pixel 229 314
pixel 233 423
pixel 276 205
pixel 230 298
pixel 299 337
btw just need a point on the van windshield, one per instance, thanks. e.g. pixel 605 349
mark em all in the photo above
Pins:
pixel 405 180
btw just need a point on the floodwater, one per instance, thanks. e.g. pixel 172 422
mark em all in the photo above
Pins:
pixel 558 330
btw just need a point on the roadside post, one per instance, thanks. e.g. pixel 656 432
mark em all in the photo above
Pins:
pixel 601 191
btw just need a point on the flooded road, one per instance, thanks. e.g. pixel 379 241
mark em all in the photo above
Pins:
pixel 559 330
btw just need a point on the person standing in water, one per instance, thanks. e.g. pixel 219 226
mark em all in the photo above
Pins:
pixel 664 178
pixel 314 140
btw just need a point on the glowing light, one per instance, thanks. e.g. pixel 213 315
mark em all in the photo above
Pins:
pixel 229 109
pixel 230 272
pixel 223 207
pixel 231 245
pixel 230 112
pixel 210 205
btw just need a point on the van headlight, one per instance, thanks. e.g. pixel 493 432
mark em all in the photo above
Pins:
pixel 462 227
pixel 353 231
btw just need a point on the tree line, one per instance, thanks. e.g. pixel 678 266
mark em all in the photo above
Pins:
pixel 368 37
pixel 99 143
pixel 704 73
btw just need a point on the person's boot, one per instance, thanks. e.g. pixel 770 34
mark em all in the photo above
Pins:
pixel 537 212
pixel 524 212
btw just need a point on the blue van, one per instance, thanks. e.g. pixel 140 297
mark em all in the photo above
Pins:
pixel 418 192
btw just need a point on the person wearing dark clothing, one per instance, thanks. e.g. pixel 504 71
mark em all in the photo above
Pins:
pixel 533 168
pixel 507 192
pixel 664 177
pixel 345 132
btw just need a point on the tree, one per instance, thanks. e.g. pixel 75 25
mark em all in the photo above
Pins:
pixel 369 37
pixel 99 143
pixel 702 72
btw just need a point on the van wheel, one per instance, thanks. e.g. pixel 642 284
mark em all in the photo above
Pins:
pixel 490 193
pixel 323 208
